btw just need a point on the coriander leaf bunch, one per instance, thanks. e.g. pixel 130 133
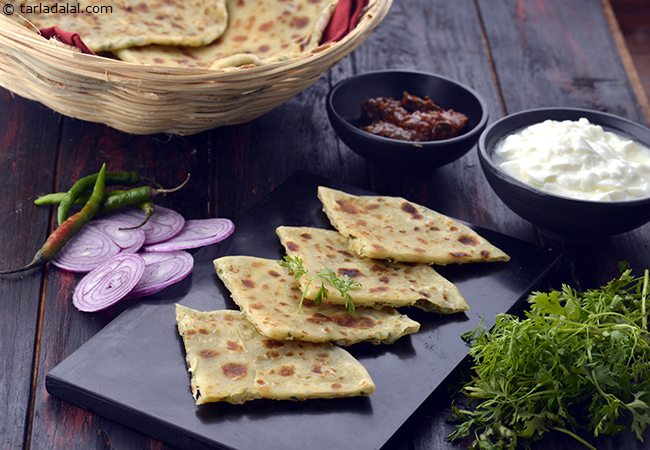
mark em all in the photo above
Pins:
pixel 577 358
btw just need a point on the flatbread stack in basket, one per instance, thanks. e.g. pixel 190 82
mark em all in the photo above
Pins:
pixel 326 292
pixel 198 33
pixel 135 23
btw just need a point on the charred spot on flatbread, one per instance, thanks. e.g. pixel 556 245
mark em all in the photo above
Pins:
pixel 349 272
pixel 293 246
pixel 468 240
pixel 208 353
pixel 272 343
pixel 347 207
pixel 411 210
pixel 234 371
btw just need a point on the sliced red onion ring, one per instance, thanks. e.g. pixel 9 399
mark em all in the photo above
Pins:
pixel 108 283
pixel 163 225
pixel 128 218
pixel 129 240
pixel 86 251
pixel 162 270
pixel 196 233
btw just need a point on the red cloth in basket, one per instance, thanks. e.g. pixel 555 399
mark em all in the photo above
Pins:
pixel 345 18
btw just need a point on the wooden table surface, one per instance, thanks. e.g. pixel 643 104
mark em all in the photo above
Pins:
pixel 518 54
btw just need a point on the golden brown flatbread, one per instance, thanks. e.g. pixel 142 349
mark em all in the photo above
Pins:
pixel 270 298
pixel 132 23
pixel 394 228
pixel 382 282
pixel 231 362
pixel 259 32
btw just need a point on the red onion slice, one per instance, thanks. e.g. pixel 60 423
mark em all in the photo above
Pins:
pixel 162 270
pixel 130 241
pixel 163 225
pixel 128 218
pixel 108 283
pixel 86 251
pixel 196 233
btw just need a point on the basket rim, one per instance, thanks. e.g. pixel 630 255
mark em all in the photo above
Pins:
pixel 33 42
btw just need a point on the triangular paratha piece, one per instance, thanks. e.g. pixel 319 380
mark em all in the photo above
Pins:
pixel 259 32
pixel 231 362
pixel 382 282
pixel 105 26
pixel 269 298
pixel 394 228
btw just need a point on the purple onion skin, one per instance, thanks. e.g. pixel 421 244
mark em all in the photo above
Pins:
pixel 125 239
pixel 195 234
pixel 90 239
pixel 162 226
pixel 109 283
pixel 151 282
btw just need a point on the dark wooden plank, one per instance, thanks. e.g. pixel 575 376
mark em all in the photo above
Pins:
pixel 28 144
pixel 557 53
pixel 84 147
pixel 628 21
pixel 445 38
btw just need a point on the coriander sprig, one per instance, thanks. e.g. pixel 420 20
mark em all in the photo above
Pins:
pixel 343 284
pixel 294 266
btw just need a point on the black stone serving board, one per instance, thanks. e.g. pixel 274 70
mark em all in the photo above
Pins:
pixel 133 371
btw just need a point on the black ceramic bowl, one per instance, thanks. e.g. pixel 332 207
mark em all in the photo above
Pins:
pixel 344 110
pixel 562 217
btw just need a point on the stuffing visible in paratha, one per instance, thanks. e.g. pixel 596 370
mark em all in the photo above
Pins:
pixel 269 298
pixel 259 32
pixel 134 23
pixel 230 361
pixel 382 282
pixel 394 228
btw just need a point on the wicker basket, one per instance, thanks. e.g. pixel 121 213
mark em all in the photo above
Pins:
pixel 145 99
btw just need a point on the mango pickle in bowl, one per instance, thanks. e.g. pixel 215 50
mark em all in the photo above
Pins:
pixel 351 106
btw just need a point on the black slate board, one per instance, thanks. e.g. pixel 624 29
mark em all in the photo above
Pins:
pixel 133 371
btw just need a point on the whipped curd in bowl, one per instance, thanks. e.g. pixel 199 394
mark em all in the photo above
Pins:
pixel 576 159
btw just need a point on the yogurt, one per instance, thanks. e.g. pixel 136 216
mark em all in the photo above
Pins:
pixel 576 159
